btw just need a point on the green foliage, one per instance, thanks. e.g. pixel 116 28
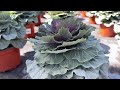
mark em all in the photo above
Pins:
pixel 11 33
pixel 66 50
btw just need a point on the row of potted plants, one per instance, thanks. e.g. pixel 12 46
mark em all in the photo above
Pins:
pixel 105 19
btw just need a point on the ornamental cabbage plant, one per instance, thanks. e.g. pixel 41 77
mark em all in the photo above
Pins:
pixel 67 50
pixel 25 17
pixel 11 32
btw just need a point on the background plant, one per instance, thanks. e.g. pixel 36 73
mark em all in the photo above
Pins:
pixel 11 32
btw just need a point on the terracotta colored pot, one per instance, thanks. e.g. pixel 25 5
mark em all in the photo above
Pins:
pixel 106 31
pixel 39 20
pixel 92 20
pixel 83 14
pixel 9 59
pixel 30 32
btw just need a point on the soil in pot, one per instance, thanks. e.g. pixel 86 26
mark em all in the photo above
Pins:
pixel 92 20
pixel 9 59
pixel 83 14
pixel 106 31
pixel 30 32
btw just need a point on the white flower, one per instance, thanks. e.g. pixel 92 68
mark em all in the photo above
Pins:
pixel 89 14
pixel 47 16
pixel 98 21
pixel 117 37
pixel 108 25
pixel 117 28
pixel 102 17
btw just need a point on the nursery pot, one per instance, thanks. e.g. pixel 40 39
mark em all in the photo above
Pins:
pixel 92 20
pixel 9 59
pixel 106 31
pixel 30 32
pixel 83 14
pixel 39 20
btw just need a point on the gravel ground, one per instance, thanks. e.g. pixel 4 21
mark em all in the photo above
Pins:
pixel 109 44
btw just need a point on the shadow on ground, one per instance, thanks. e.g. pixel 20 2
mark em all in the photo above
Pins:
pixel 20 71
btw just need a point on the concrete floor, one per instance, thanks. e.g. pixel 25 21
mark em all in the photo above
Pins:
pixel 108 43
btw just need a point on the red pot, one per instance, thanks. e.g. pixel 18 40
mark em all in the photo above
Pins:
pixel 92 20
pixel 39 20
pixel 106 31
pixel 30 32
pixel 83 14
pixel 9 59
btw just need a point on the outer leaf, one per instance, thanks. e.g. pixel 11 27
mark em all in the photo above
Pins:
pixel 49 39
pixel 85 55
pixel 82 55
pixel 95 63
pixel 57 51
pixel 41 58
pixel 49 58
pixel 65 44
pixel 55 58
pixel 70 63
pixel 4 44
pixel 21 33
pixel 56 70
pixel 12 34
pixel 87 73
pixel 18 43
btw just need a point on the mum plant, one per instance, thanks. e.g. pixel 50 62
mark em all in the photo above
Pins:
pixel 67 50
pixel 50 15
pixel 107 18
pixel 91 13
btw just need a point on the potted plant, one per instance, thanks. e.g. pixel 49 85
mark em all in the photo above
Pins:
pixel 91 16
pixel 83 14
pixel 106 19
pixel 50 15
pixel 28 18
pixel 40 14
pixel 66 50
pixel 117 28
pixel 11 39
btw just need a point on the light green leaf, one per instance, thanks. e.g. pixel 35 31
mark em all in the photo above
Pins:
pixel 55 58
pixel 57 51
pixel 70 63
pixel 85 55
pixel 12 34
pixel 81 55
pixel 71 43
pixel 21 32
pixel 87 73
pixel 4 44
pixel 18 43
pixel 56 70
